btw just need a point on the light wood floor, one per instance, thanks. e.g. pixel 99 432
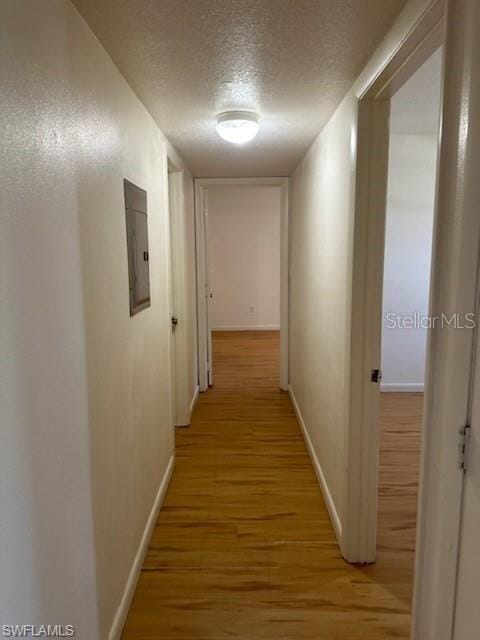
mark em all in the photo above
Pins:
pixel 243 547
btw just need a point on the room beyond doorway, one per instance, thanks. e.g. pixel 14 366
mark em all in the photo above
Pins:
pixel 242 272
pixel 243 243
pixel 412 169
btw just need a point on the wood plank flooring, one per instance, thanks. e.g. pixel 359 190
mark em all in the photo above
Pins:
pixel 243 547
pixel 400 440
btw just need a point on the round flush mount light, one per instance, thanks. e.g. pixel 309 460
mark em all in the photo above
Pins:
pixel 238 127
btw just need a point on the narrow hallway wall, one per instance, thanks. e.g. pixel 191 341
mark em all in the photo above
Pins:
pixel 322 222
pixel 85 407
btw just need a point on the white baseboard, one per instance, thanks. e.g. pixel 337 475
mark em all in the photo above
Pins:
pixel 402 387
pixel 193 401
pixel 249 327
pixel 327 496
pixel 122 611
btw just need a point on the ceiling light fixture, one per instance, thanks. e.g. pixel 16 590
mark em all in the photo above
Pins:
pixel 238 127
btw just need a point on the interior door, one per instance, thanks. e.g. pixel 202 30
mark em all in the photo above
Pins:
pixel 467 610
pixel 174 320
pixel 209 294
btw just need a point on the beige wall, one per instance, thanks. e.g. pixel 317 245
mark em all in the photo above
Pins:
pixel 244 256
pixel 322 218
pixel 85 404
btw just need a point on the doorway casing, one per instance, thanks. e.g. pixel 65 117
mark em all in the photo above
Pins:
pixel 202 185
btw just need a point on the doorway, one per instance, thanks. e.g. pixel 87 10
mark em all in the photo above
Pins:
pixel 453 291
pixel 410 205
pixel 237 256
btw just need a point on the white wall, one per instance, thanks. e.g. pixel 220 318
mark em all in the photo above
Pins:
pixel 85 406
pixel 244 256
pixel 408 248
pixel 322 217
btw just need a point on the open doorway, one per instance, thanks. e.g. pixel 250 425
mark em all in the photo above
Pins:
pixel 447 408
pixel 410 205
pixel 243 260
pixel 242 268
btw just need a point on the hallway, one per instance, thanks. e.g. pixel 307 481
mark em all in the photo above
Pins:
pixel 243 547
pixel 174 167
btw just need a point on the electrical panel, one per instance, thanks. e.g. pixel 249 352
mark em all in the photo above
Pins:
pixel 137 245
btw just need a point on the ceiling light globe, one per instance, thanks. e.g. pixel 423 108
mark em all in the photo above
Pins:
pixel 238 127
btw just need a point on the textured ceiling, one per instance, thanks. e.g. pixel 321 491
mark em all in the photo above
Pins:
pixel 290 60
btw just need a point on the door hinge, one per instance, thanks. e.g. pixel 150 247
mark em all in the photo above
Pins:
pixel 376 375
pixel 464 436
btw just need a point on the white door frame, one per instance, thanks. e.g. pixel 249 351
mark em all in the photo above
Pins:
pixel 422 26
pixel 177 260
pixel 201 187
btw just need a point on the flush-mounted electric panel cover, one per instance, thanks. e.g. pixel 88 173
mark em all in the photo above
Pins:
pixel 137 245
